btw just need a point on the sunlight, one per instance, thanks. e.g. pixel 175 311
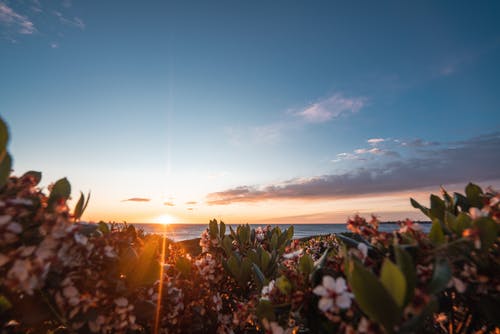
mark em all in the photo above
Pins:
pixel 165 219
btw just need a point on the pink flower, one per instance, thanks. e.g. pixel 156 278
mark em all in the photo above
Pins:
pixel 333 294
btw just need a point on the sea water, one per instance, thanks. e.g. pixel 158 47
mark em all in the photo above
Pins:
pixel 178 232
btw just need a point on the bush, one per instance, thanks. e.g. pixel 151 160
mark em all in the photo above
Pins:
pixel 58 275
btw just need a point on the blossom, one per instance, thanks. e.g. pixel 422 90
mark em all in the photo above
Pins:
pixel 266 290
pixel 333 294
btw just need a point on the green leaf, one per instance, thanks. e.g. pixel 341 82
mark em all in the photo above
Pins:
pixel 405 263
pixel 77 212
pixel 147 268
pixel 306 265
pixel 437 208
pixel 60 191
pixel 261 279
pixel 5 168
pixel 440 277
pixel 415 324
pixel 35 176
pixel 436 234
pixel 284 285
pixel 213 229
pixel 372 297
pixel 321 261
pixel 103 227
pixel 461 202
pixel 265 310
pixel 462 223
pixel 474 195
pixel 183 265
pixel 5 304
pixel 227 244
pixel 222 230
pixel 265 259
pixel 4 135
pixel 422 208
pixel 488 231
pixel 394 281
pixel 450 220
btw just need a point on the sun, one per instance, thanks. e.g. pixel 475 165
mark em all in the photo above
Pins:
pixel 164 219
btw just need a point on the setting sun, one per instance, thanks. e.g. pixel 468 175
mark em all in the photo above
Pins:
pixel 165 219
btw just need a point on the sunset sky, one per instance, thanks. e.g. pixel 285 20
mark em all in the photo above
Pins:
pixel 252 111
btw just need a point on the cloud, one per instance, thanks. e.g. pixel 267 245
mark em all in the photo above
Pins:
pixel 377 151
pixel 418 143
pixel 476 160
pixel 137 199
pixel 74 22
pixel 20 23
pixel 168 204
pixel 54 45
pixel 375 141
pixel 330 108
pixel 191 203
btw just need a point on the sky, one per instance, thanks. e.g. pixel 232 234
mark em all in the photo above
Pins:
pixel 252 111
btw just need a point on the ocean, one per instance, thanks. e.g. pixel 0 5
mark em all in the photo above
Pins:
pixel 179 232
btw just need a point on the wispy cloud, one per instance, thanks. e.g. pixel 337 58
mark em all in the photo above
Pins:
pixel 375 141
pixel 191 203
pixel 137 199
pixel 74 22
pixel 331 107
pixel 476 159
pixel 418 143
pixel 168 203
pixel 12 20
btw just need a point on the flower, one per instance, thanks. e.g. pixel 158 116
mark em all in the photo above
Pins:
pixel 266 290
pixel 333 294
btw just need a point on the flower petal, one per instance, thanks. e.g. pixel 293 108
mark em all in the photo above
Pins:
pixel 329 282
pixel 343 300
pixel 325 304
pixel 340 285
pixel 321 291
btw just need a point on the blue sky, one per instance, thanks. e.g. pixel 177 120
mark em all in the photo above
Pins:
pixel 293 111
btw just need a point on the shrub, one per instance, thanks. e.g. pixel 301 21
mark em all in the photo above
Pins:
pixel 59 275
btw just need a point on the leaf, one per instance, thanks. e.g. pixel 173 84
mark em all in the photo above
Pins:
pixel 437 208
pixel 147 268
pixel 371 296
pixel 450 220
pixel 261 279
pixel 440 277
pixel 60 191
pixel 213 229
pixel 284 285
pixel 488 231
pixel 265 310
pixel 35 176
pixel 227 244
pixel 306 265
pixel 5 168
pixel 183 265
pixel 405 263
pixel 417 205
pixel 461 202
pixel 5 304
pixel 415 324
pixel 321 261
pixel 103 227
pixel 265 259
pixel 474 195
pixel 4 135
pixel 462 223
pixel 222 230
pixel 436 234
pixel 77 212
pixel 394 281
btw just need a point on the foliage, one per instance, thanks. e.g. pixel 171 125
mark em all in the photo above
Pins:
pixel 58 275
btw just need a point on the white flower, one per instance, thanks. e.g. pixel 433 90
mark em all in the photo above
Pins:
pixel 363 248
pixel 20 201
pixel 4 219
pixel 266 290
pixel 292 254
pixel 333 293
pixel 475 213
pixel 458 284
pixel 80 238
